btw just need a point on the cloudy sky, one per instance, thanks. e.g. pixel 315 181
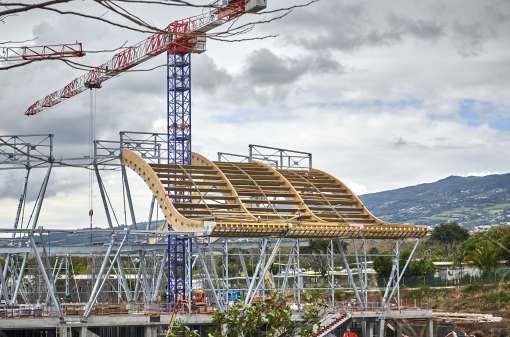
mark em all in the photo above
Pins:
pixel 384 94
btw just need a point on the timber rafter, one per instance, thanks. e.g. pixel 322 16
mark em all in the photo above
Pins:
pixel 254 199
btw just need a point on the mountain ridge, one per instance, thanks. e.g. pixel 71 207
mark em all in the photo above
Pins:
pixel 471 201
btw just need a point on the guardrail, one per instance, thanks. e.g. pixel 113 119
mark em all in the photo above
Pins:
pixel 26 311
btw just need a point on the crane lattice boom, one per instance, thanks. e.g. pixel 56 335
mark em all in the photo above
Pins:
pixel 186 35
pixel 39 53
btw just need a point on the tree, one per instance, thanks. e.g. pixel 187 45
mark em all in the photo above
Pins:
pixel 382 266
pixel 319 249
pixel 484 249
pixel 445 238
pixel 449 233
pixel 421 267
pixel 271 317
pixel 485 256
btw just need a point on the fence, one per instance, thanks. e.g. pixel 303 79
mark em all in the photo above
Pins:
pixel 501 275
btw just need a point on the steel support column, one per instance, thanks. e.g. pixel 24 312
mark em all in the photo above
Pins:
pixel 349 272
pixel 253 281
pixel 268 264
pixel 49 283
pixel 400 274
pixel 179 107
pixel 208 276
pixel 100 282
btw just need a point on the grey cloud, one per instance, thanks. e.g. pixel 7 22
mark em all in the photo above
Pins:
pixel 264 68
pixel 471 37
pixel 11 183
pixel 419 28
pixel 348 26
pixel 355 38
pixel 207 76
pixel 265 75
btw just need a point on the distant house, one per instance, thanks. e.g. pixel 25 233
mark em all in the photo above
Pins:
pixel 445 270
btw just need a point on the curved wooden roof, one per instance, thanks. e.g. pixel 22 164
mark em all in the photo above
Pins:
pixel 255 199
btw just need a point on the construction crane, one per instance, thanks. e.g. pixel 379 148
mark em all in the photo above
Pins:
pixel 40 53
pixel 180 36
pixel 180 39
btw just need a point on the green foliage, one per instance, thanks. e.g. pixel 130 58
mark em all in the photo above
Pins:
pixel 272 317
pixel 485 256
pixel 495 300
pixel 445 240
pixel 311 315
pixel 421 267
pixel 485 249
pixel 382 266
pixel 373 251
pixel 316 246
pixel 80 265
pixel 449 233
pixel 181 330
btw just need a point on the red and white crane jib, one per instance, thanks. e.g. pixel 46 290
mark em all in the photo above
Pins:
pixel 39 53
pixel 187 35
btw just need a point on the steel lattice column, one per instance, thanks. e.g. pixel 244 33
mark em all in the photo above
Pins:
pixel 179 268
pixel 179 152
pixel 179 107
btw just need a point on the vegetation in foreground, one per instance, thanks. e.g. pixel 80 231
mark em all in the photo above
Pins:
pixel 269 317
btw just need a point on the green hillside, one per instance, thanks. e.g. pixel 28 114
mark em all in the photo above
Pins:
pixel 471 201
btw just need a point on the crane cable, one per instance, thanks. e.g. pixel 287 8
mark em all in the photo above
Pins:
pixel 92 137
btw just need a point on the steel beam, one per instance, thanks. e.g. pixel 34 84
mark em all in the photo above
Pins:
pixel 92 297
pixel 268 265
pixel 128 196
pixel 208 276
pixel 247 298
pixel 349 272
pixel 400 275
pixel 49 284
pixel 95 294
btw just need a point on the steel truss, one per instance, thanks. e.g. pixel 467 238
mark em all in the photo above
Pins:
pixel 277 157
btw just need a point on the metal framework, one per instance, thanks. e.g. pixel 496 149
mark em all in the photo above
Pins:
pixel 179 107
pixel 250 214
pixel 284 158
pixel 39 53
pixel 277 157
pixel 179 153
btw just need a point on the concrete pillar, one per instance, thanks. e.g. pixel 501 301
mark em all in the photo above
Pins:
pixel 364 328
pixel 398 329
pixel 370 328
pixel 382 326
pixel 63 331
pixel 85 332
pixel 430 328
pixel 150 331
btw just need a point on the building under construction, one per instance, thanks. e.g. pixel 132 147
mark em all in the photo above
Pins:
pixel 255 214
